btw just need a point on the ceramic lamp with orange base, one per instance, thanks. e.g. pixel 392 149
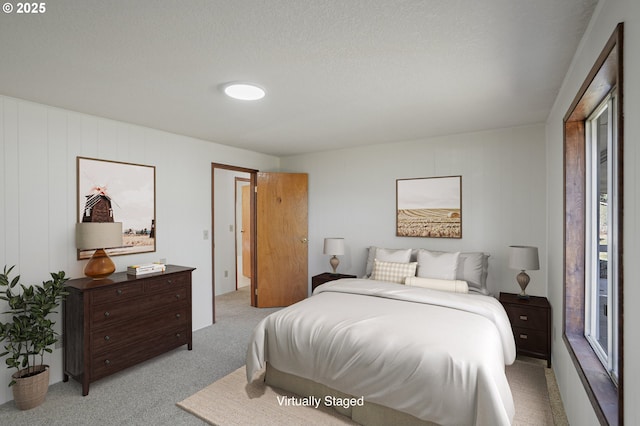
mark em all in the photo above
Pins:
pixel 99 236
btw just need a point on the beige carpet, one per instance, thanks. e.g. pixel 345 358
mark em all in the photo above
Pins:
pixel 231 401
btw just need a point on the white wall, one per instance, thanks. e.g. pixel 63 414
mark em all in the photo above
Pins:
pixel 38 195
pixel 352 194
pixel 608 14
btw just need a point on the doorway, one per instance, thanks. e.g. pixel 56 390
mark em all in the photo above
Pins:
pixel 278 228
pixel 226 243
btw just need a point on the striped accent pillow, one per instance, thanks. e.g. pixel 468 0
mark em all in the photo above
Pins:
pixel 393 271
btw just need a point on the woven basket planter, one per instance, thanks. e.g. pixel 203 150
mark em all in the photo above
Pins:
pixel 29 392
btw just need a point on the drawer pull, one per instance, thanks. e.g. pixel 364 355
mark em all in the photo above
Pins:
pixel 524 336
pixel 107 338
pixel 524 318
pixel 178 335
pixel 119 292
pixel 169 282
pixel 107 362
pixel 177 315
pixel 106 314
pixel 177 296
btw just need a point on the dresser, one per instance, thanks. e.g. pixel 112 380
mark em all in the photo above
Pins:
pixel 122 320
pixel 531 324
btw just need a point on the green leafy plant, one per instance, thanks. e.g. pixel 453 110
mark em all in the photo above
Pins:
pixel 28 333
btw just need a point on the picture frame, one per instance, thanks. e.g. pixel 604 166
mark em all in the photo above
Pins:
pixel 119 192
pixel 429 207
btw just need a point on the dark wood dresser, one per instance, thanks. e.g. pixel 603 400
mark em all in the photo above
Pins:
pixel 531 324
pixel 120 321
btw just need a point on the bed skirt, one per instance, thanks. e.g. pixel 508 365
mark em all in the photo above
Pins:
pixel 369 414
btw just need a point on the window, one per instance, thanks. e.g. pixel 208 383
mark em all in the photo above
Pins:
pixel 601 245
pixel 593 309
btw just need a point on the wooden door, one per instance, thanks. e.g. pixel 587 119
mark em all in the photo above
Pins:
pixel 281 239
pixel 246 231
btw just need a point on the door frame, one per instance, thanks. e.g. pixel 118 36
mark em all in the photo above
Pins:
pixel 252 207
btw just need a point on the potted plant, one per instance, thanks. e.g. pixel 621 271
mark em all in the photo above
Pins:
pixel 28 333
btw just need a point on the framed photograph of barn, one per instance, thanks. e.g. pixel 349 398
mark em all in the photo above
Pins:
pixel 113 191
pixel 429 207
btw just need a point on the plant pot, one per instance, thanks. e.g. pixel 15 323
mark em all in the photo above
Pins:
pixel 30 391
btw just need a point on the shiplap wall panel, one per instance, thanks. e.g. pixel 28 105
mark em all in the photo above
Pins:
pixel 33 155
pixel 3 239
pixel 60 198
pixel 11 184
pixel 107 140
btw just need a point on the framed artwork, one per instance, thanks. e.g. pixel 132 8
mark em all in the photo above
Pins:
pixel 429 207
pixel 112 191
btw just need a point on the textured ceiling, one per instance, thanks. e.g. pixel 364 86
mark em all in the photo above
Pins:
pixel 338 73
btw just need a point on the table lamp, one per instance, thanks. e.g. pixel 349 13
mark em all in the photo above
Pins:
pixel 334 247
pixel 523 258
pixel 99 236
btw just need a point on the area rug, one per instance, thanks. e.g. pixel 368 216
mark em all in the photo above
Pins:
pixel 231 401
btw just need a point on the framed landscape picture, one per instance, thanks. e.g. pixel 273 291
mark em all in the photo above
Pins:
pixel 429 207
pixel 112 191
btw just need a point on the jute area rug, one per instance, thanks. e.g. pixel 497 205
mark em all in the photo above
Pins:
pixel 231 401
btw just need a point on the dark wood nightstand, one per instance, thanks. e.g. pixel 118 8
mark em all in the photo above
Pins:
pixel 326 277
pixel 531 324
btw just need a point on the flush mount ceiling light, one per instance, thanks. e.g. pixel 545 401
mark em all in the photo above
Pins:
pixel 244 91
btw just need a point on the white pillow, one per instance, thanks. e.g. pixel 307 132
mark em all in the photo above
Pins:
pixel 456 286
pixel 472 267
pixel 440 265
pixel 393 271
pixel 386 255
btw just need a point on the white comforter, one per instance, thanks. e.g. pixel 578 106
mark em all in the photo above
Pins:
pixel 436 355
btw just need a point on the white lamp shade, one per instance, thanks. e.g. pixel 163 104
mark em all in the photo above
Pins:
pixel 334 246
pixel 98 235
pixel 524 258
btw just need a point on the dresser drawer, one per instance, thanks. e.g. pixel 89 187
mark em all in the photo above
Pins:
pixel 110 313
pixel 528 340
pixel 131 332
pixel 117 293
pixel 525 317
pixel 165 283
pixel 118 359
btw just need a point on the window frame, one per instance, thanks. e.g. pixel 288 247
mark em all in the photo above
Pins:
pixel 608 355
pixel 606 75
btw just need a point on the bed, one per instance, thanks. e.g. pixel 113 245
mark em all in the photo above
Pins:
pixel 384 352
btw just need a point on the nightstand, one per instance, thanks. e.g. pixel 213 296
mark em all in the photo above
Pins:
pixel 531 324
pixel 326 277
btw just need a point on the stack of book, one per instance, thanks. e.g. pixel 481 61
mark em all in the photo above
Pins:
pixel 147 268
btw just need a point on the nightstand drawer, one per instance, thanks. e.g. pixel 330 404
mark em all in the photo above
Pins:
pixel 530 340
pixel 525 317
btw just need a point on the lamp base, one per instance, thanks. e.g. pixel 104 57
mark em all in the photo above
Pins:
pixel 100 265
pixel 334 261
pixel 523 282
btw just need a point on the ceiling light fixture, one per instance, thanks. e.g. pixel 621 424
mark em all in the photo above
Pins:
pixel 244 91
